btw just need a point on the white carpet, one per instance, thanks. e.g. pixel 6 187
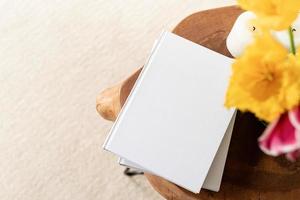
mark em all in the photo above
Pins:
pixel 55 57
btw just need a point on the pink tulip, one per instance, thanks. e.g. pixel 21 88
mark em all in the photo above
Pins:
pixel 283 136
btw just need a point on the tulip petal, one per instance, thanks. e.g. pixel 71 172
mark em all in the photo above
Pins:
pixel 280 137
pixel 294 116
pixel 292 156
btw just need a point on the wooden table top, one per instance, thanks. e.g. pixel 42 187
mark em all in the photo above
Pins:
pixel 249 174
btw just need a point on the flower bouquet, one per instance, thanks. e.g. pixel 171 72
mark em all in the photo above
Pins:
pixel 266 77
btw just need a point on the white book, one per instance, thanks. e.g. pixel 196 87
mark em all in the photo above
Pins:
pixel 214 176
pixel 173 122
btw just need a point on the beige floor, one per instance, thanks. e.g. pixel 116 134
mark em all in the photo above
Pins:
pixel 55 56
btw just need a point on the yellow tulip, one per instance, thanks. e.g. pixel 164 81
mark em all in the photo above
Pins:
pixel 265 80
pixel 273 14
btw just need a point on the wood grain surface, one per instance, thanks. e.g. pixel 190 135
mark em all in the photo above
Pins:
pixel 249 174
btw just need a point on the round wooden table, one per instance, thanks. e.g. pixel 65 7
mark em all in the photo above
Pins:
pixel 249 174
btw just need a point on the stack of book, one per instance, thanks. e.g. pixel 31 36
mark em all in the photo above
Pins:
pixel 174 124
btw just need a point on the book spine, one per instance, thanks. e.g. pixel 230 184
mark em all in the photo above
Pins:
pixel 134 89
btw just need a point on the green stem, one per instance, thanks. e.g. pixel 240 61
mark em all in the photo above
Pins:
pixel 292 41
